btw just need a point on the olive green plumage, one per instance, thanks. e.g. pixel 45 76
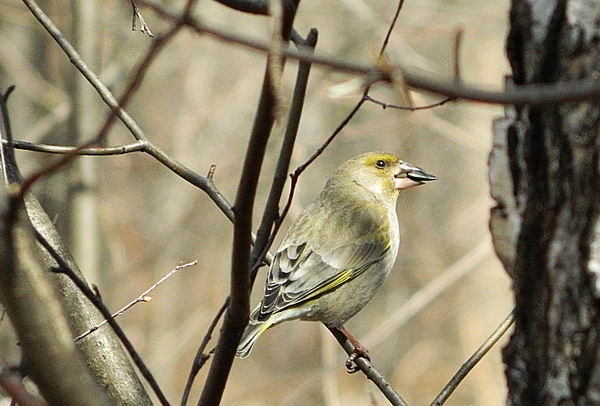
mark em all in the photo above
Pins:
pixel 339 250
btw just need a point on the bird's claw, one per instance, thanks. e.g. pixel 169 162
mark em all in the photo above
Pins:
pixel 359 352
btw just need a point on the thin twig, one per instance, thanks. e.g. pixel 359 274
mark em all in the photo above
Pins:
pixel 142 298
pixel 266 234
pixel 298 171
pixel 458 37
pixel 97 302
pixel 175 166
pixel 137 16
pixel 94 151
pixel 133 85
pixel 201 357
pixel 205 184
pixel 414 108
pixel 388 34
pixel 473 360
pixel 82 67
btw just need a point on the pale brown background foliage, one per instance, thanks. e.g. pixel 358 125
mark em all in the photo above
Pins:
pixel 197 102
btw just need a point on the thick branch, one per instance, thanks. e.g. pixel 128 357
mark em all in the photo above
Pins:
pixel 531 94
pixel 50 355
pixel 104 353
pixel 237 314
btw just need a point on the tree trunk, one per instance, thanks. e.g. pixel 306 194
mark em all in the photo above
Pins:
pixel 545 179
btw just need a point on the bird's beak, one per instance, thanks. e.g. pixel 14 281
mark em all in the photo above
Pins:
pixel 410 176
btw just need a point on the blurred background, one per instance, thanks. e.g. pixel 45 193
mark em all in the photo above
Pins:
pixel 129 220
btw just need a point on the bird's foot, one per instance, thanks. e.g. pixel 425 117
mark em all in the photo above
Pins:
pixel 359 352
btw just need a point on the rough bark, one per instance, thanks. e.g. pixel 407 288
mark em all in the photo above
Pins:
pixel 544 175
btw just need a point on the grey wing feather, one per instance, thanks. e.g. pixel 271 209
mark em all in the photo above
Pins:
pixel 298 272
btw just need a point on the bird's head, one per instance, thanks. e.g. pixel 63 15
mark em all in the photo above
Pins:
pixel 383 174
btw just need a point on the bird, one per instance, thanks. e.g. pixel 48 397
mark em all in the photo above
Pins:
pixel 339 250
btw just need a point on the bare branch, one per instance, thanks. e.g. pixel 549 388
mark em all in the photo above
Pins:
pixel 388 34
pixel 370 372
pixel 409 108
pixel 274 196
pixel 180 169
pixel 201 357
pixel 65 269
pixel 266 232
pixel 82 67
pixel 137 16
pixel 94 151
pixel 142 298
pixel 122 382
pixel 538 94
pixel 237 314
pixel 205 184
pixel 473 360
pixel 37 316
pixel 133 85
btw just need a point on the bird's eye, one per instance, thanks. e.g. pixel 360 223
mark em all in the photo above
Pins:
pixel 380 163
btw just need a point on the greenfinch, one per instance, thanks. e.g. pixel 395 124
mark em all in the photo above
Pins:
pixel 338 252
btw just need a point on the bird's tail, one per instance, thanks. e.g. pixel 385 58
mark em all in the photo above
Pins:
pixel 253 330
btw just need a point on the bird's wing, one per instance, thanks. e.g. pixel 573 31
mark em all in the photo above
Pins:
pixel 300 273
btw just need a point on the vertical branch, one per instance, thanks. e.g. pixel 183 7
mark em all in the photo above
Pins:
pixel 271 208
pixel 264 236
pixel 237 314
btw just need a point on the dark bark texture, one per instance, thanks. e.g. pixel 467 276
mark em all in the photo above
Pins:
pixel 545 180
